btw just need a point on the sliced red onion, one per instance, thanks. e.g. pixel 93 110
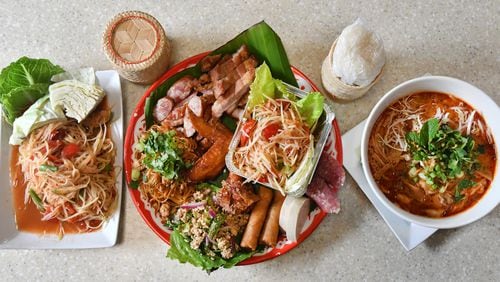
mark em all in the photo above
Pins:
pixel 212 213
pixel 193 205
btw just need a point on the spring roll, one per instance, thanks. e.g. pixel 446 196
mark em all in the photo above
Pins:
pixel 269 235
pixel 257 218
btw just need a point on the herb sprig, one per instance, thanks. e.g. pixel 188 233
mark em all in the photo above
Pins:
pixel 440 154
pixel 163 154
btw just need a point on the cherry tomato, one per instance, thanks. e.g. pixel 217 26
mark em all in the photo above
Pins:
pixel 270 130
pixel 70 150
pixel 247 129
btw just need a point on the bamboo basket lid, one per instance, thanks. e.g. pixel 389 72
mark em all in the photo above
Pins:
pixel 336 87
pixel 136 44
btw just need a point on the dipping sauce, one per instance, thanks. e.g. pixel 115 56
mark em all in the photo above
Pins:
pixel 432 154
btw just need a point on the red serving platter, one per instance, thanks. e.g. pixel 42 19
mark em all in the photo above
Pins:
pixel 137 125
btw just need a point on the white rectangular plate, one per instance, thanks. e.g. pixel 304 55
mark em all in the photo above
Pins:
pixel 11 238
pixel 409 235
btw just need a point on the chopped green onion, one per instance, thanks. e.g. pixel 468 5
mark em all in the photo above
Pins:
pixel 108 168
pixel 136 173
pixel 46 167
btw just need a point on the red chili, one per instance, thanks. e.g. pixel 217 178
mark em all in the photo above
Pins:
pixel 53 146
pixel 69 208
pixel 70 150
pixel 263 179
pixel 270 130
pixel 57 134
pixel 247 129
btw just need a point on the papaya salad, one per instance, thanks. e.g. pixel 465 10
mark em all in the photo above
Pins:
pixel 276 143
pixel 62 166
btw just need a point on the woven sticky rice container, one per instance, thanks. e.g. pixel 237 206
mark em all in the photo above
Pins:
pixel 336 87
pixel 136 44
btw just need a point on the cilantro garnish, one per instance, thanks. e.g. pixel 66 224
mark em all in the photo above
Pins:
pixel 442 154
pixel 162 153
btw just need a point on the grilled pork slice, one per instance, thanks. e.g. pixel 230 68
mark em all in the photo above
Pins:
pixel 235 197
pixel 182 88
pixel 209 62
pixel 163 108
pixel 234 94
pixel 222 85
pixel 189 129
pixel 222 69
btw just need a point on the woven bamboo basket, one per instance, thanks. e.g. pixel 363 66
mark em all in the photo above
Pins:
pixel 335 86
pixel 136 45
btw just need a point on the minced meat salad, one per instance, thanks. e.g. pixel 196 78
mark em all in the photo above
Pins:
pixel 206 227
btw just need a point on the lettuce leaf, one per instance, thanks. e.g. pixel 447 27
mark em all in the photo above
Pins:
pixel 181 250
pixel 23 82
pixel 262 88
pixel 266 87
pixel 311 107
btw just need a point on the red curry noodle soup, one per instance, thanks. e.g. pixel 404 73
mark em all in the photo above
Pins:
pixel 432 154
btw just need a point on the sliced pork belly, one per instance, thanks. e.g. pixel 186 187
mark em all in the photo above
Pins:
pixel 182 88
pixel 163 108
pixel 233 95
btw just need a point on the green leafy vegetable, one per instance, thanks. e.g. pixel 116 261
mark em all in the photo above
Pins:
pixel 182 251
pixel 37 115
pixel 210 186
pixel 230 122
pixel 262 88
pixel 36 200
pixel 311 107
pixel 218 180
pixel 261 41
pixel 23 82
pixel 134 184
pixel 441 154
pixel 108 167
pixel 463 184
pixel 215 226
pixel 163 154
pixel 46 167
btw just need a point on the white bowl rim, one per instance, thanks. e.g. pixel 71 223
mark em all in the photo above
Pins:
pixel 488 201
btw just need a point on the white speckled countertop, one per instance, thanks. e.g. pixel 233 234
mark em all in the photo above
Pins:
pixel 454 38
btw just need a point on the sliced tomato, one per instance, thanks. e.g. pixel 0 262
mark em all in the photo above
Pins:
pixel 270 130
pixel 247 129
pixel 70 150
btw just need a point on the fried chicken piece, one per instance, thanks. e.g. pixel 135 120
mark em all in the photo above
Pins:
pixel 213 161
pixel 235 197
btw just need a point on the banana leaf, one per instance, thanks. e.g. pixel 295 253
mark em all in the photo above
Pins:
pixel 261 41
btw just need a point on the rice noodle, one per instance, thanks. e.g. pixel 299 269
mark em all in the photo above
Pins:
pixel 162 194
